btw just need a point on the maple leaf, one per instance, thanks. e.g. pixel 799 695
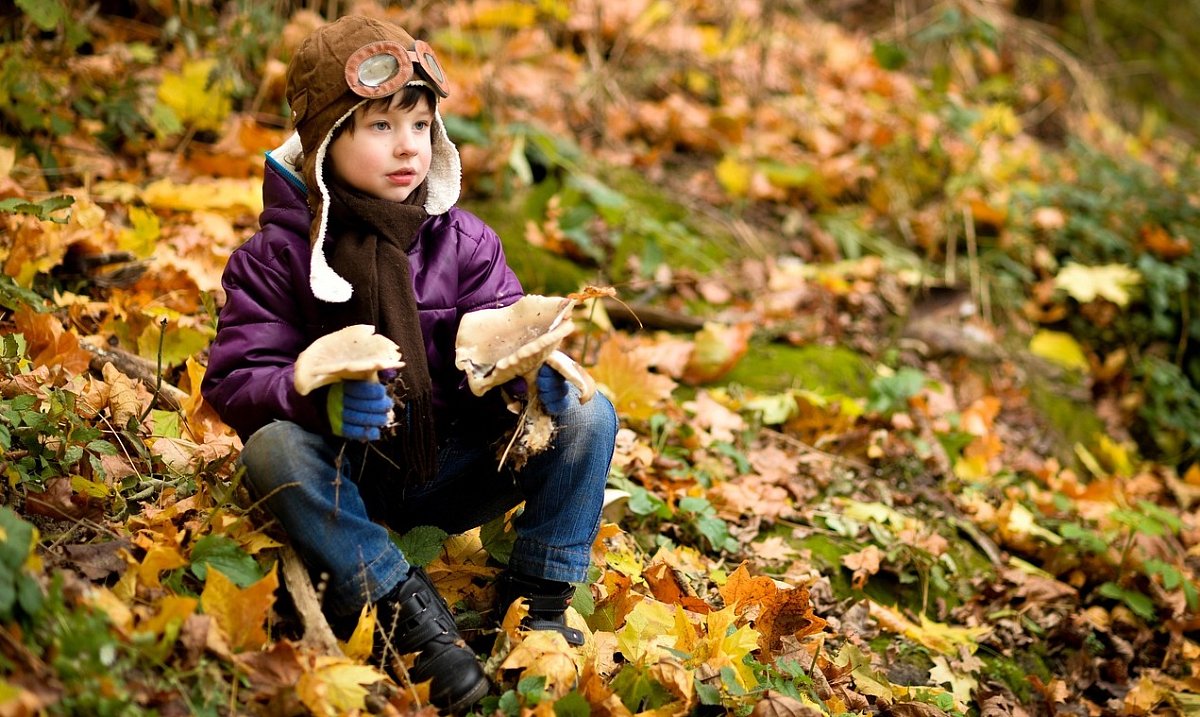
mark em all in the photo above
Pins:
pixel 647 631
pixel 196 96
pixel 545 653
pixel 49 343
pixel 1086 283
pixel 335 686
pixel 625 377
pixel 724 646
pixel 240 613
pixel 718 348
pixel 961 685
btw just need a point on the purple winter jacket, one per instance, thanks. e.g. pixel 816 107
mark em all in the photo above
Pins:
pixel 270 314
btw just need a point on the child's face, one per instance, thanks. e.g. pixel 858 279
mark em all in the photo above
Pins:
pixel 386 153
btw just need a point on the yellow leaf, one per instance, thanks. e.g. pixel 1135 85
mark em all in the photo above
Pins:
pixel 624 375
pixel 362 640
pixel 1110 281
pixel 229 194
pixel 937 636
pixel 173 611
pixel 545 653
pixel 1059 347
pixel 961 684
pixel 648 629
pixel 159 558
pixel 734 176
pixel 197 98
pixel 729 649
pixel 336 686
pixel 240 613
pixel 141 238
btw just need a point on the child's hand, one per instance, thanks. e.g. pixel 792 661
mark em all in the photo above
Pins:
pixel 553 390
pixel 359 409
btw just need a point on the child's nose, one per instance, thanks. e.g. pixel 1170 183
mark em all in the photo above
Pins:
pixel 405 146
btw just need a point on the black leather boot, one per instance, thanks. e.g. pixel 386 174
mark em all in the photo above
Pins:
pixel 414 618
pixel 547 599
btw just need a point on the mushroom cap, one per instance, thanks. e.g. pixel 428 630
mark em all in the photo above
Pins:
pixel 353 353
pixel 494 346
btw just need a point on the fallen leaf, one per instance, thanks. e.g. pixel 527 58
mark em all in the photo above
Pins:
pixel 240 613
pixel 335 686
pixel 1086 283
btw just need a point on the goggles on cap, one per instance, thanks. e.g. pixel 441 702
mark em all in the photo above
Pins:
pixel 381 68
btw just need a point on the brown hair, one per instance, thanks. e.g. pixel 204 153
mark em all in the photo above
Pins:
pixel 405 99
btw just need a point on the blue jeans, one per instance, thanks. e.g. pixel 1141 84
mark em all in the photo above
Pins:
pixel 307 481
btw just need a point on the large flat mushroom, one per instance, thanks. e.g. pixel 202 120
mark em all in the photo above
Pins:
pixel 495 346
pixel 353 353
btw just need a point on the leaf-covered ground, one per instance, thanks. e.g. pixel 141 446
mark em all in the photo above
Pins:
pixel 871 458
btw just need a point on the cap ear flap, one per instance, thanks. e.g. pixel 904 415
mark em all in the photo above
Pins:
pixel 299 106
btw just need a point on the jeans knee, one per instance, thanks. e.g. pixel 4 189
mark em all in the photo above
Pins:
pixel 270 451
pixel 598 419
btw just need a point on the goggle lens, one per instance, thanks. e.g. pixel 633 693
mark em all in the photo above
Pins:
pixel 381 68
pixel 378 69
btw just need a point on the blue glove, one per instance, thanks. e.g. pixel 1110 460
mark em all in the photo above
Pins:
pixel 358 409
pixel 554 390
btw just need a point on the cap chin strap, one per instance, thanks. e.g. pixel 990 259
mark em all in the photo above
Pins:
pixel 444 182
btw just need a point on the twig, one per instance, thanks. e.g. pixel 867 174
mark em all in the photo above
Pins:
pixel 317 632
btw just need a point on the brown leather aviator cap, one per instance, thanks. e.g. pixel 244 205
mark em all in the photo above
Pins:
pixel 350 60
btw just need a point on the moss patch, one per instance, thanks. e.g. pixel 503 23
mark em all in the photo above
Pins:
pixel 827 370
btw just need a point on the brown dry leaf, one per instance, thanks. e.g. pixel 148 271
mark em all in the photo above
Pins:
pixel 717 350
pixel 276 668
pixel 743 591
pixel 123 399
pixel 545 653
pixel 787 612
pixel 240 613
pixel 714 421
pixel 624 375
pixel 775 704
pixel 864 563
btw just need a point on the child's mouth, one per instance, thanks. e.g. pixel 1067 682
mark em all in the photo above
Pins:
pixel 402 179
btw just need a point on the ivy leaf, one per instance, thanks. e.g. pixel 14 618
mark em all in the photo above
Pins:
pixel 218 551
pixel 421 545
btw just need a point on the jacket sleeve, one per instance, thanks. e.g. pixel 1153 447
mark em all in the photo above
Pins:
pixel 485 279
pixel 252 359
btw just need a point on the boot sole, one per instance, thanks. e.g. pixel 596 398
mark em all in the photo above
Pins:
pixel 476 694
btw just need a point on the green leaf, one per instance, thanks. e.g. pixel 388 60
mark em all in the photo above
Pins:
pixel 1140 604
pixel 583 602
pixel 498 539
pixel 572 704
pixel 17 537
pixel 46 14
pixel 890 56
pixel 708 694
pixel 532 688
pixel 227 557
pixel 510 704
pixel 421 545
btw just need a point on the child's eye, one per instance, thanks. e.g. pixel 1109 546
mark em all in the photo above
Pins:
pixel 421 125
pixel 381 125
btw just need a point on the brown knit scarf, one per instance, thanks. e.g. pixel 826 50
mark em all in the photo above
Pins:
pixel 367 243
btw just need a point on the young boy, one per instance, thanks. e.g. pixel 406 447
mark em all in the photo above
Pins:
pixel 360 227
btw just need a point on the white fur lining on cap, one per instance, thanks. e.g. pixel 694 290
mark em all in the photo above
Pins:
pixel 443 182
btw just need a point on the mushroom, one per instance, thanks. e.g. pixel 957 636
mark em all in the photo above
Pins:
pixel 494 346
pixel 353 353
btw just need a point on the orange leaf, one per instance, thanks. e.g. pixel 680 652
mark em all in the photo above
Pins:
pixel 743 591
pixel 718 349
pixel 240 613
pixel 49 343
pixel 623 373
